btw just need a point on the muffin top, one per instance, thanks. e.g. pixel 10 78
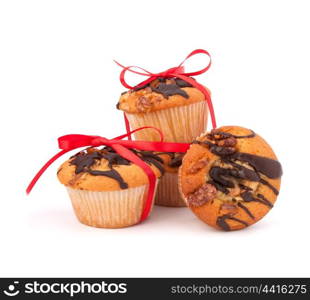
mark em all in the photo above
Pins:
pixel 160 93
pixel 103 169
pixel 171 161
pixel 230 177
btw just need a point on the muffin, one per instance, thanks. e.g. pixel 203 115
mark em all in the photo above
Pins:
pixel 230 178
pixel 107 190
pixel 173 105
pixel 168 193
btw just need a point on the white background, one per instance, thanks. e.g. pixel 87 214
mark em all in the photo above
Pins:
pixel 57 77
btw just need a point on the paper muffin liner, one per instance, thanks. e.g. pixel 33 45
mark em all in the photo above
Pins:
pixel 179 124
pixel 109 209
pixel 168 193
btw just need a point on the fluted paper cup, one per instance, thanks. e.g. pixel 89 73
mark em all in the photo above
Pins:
pixel 168 193
pixel 179 124
pixel 109 209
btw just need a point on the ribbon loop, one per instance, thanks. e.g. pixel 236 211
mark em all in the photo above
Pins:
pixel 203 70
pixel 71 141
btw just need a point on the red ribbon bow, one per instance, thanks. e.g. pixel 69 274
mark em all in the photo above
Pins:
pixel 73 141
pixel 172 72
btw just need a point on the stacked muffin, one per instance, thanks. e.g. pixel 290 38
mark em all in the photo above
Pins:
pixel 179 110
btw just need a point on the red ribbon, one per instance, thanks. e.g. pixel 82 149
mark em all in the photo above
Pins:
pixel 73 141
pixel 172 72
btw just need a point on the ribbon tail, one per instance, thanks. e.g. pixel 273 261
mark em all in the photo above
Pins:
pixel 206 94
pixel 127 126
pixel 43 169
pixel 210 104
pixel 124 152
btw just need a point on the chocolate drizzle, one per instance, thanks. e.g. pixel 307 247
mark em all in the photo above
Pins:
pixel 167 87
pixel 242 172
pixel 246 210
pixel 265 182
pixel 269 167
pixel 219 175
pixel 221 221
pixel 83 161
pixel 169 90
pixel 219 135
pixel 175 158
pixel 182 83
pixel 164 86
pixel 176 162
pixel 224 178
pixel 248 197
pixel 112 174
pixel 217 150
pixel 152 159
pixel 86 160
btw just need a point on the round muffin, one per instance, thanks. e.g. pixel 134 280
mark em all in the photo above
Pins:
pixel 230 178
pixel 172 105
pixel 106 189
pixel 168 193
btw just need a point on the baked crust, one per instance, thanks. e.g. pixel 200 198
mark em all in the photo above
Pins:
pixel 206 173
pixel 131 175
pixel 148 99
pixel 171 161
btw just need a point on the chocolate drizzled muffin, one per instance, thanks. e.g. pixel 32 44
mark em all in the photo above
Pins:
pixel 230 178
pixel 168 193
pixel 106 189
pixel 175 107
pixel 157 95
pixel 172 105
